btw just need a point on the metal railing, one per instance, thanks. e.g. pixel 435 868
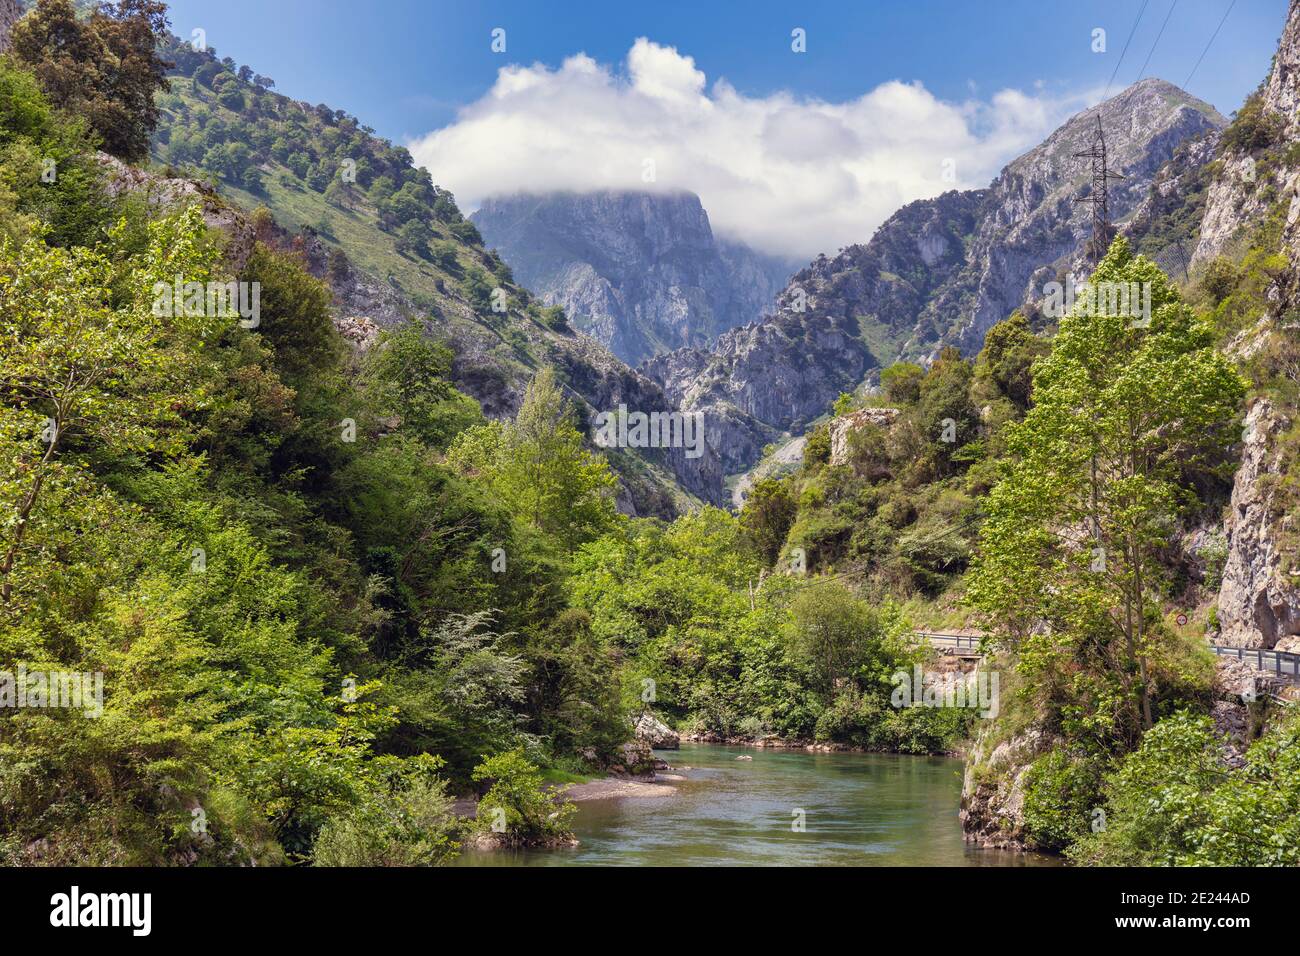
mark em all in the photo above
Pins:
pixel 1281 663
pixel 951 640
pixel 1274 662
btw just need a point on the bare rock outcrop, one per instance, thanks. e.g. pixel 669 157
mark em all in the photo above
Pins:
pixel 1259 601
pixel 170 193
pixel 655 732
pixel 993 789
pixel 641 272
pixel 845 425
pixel 1245 189
pixel 10 12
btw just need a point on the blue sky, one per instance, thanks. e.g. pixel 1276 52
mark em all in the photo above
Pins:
pixel 405 66
pixel 795 153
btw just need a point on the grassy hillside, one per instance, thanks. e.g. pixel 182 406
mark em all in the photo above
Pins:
pixel 323 174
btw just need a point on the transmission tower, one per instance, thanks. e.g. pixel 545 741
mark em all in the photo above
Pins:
pixel 1102 230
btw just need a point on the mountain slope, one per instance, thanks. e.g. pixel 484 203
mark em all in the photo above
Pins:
pixel 640 272
pixel 395 248
pixel 1254 203
pixel 938 272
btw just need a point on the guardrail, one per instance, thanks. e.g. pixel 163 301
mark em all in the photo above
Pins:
pixel 1281 663
pixel 955 640
pixel 1275 662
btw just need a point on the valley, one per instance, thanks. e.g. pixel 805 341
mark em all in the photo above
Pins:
pixel 381 517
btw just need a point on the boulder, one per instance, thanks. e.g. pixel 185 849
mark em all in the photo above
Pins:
pixel 655 732
pixel 634 759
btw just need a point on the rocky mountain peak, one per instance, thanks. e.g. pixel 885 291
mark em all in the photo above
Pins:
pixel 938 272
pixel 642 272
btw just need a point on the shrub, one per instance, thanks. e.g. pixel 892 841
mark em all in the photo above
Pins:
pixel 1252 128
pixel 412 828
pixel 531 815
pixel 1061 792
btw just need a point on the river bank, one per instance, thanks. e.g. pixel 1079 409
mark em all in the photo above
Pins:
pixel 811 746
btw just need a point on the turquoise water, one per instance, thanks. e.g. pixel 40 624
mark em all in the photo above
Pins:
pixel 858 810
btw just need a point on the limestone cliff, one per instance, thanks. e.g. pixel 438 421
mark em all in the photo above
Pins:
pixel 1258 164
pixel 10 11
pixel 640 272
pixel 1259 600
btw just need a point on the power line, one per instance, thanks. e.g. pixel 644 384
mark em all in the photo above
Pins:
pixel 1143 71
pixel 1123 52
pixel 1211 43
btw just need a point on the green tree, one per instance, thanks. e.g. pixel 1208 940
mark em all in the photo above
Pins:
pixel 539 466
pixel 902 382
pixel 105 68
pixel 838 636
pixel 77 364
pixel 516 799
pixel 296 313
pixel 409 374
pixel 767 516
pixel 1123 414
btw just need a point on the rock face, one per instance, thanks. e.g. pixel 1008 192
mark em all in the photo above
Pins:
pixel 1282 96
pixel 1165 225
pixel 1029 226
pixel 1241 705
pixel 845 425
pixel 1246 187
pixel 993 789
pixel 655 732
pixel 642 273
pixel 938 272
pixel 1259 602
pixel 175 193
pixel 765 379
pixel 10 11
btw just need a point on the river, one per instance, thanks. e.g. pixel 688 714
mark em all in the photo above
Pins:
pixel 857 810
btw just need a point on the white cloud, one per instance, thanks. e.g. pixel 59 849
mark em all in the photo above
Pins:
pixel 790 175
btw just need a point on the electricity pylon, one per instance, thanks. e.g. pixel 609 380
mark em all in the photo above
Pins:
pixel 1102 230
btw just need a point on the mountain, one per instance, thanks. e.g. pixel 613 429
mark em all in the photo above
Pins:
pixel 395 248
pixel 938 272
pixel 641 272
pixel 1030 227
pixel 1259 157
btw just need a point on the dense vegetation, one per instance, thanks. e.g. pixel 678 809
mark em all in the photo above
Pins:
pixel 380 220
pixel 253 535
pixel 326 593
